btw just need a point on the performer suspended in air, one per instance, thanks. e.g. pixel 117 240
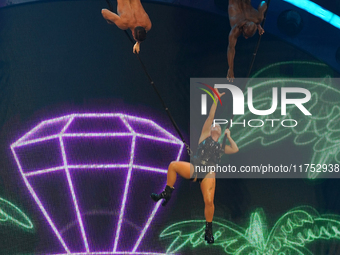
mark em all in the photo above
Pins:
pixel 208 153
pixel 131 15
pixel 244 20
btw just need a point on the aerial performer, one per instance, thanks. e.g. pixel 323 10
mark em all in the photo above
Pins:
pixel 131 15
pixel 244 20
pixel 208 153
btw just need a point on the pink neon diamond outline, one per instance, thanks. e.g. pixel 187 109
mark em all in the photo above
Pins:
pixel 24 140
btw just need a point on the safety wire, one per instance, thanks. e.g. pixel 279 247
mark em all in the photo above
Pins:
pixel 156 90
pixel 251 65
pixel 189 151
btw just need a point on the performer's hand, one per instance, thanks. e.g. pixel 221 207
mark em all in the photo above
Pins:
pixel 230 75
pixel 136 48
pixel 218 93
pixel 227 132
pixel 261 30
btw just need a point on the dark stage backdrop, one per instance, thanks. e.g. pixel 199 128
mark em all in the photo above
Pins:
pixel 61 58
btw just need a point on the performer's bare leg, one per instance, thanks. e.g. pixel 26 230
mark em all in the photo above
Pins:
pixel 184 169
pixel 208 190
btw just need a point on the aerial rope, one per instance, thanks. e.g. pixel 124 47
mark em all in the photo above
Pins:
pixel 156 90
pixel 251 65
pixel 161 99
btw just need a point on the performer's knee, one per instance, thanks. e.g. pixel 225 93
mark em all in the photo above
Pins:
pixel 209 201
pixel 172 165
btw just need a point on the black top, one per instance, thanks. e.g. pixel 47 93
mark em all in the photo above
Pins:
pixel 208 152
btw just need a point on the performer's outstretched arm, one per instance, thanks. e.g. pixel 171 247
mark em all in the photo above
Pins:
pixel 207 124
pixel 261 9
pixel 232 148
pixel 233 35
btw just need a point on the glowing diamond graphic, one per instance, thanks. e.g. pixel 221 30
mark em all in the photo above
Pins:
pixel 90 174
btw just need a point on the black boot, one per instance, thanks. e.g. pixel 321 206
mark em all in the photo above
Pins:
pixel 209 237
pixel 166 195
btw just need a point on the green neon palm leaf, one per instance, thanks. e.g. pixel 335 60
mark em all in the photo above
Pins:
pixel 321 131
pixel 234 239
pixel 287 224
pixel 289 236
pixel 228 235
pixel 290 250
pixel 11 214
pixel 257 230
pixel 301 226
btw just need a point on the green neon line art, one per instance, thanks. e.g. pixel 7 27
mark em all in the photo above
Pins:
pixel 278 64
pixel 11 213
pixel 209 94
pixel 321 131
pixel 289 236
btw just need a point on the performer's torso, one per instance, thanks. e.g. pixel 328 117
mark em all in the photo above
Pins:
pixel 208 152
pixel 133 14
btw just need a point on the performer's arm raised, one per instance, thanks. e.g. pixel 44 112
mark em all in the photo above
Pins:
pixel 209 121
pixel 232 148
pixel 233 35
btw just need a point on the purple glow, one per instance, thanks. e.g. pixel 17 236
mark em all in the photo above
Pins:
pixel 113 253
pixel 124 134
pixel 121 215
pixel 61 240
pixel 69 180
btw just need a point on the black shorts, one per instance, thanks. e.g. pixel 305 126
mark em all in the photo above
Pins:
pixel 199 180
pixel 196 162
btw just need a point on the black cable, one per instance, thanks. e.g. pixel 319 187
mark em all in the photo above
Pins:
pixel 156 90
pixel 251 65
pixel 258 41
